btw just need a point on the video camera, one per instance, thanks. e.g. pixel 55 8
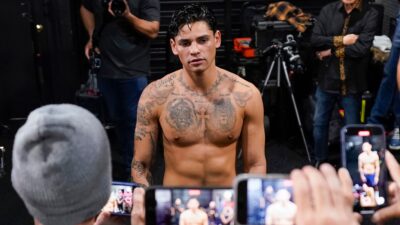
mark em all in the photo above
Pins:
pixel 290 50
pixel 118 7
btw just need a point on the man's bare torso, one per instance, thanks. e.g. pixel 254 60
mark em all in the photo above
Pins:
pixel 368 162
pixel 201 130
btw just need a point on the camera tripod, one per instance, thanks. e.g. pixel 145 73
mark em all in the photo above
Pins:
pixel 279 61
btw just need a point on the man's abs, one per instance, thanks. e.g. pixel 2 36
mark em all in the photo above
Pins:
pixel 199 166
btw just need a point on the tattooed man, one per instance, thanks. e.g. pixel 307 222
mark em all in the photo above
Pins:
pixel 202 112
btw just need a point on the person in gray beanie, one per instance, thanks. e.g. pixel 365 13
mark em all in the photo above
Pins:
pixel 62 165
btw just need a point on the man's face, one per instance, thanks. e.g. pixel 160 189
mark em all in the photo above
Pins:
pixel 196 46
pixel 193 204
pixel 367 147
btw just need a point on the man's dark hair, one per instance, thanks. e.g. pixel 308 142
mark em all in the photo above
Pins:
pixel 189 14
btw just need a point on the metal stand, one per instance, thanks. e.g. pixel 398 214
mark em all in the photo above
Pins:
pixel 280 62
pixel 2 166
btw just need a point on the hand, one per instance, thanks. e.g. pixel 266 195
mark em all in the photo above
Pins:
pixel 350 39
pixel 124 14
pixel 88 46
pixel 323 54
pixel 138 213
pixel 393 210
pixel 322 197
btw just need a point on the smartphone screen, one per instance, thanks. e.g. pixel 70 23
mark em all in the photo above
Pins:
pixel 266 200
pixel 363 152
pixel 174 206
pixel 121 198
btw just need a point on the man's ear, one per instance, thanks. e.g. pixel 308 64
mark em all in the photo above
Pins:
pixel 217 37
pixel 173 46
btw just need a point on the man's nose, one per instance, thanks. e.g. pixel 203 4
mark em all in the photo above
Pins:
pixel 194 48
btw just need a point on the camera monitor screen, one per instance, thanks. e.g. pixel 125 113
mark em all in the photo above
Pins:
pixel 264 201
pixel 179 206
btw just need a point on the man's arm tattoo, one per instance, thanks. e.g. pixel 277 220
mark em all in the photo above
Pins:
pixel 138 166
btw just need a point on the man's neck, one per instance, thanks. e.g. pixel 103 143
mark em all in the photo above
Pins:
pixel 202 81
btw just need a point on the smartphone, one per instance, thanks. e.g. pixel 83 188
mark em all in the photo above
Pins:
pixel 363 154
pixel 179 205
pixel 261 199
pixel 121 199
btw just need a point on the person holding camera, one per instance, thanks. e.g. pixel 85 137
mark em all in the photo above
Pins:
pixel 342 36
pixel 120 31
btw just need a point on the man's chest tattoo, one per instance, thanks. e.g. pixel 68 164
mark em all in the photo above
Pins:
pixel 184 115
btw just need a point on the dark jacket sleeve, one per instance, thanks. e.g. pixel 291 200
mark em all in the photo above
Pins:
pixel 319 38
pixel 365 38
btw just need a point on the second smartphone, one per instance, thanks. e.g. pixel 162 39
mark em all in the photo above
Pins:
pixel 363 154
pixel 264 199
pixel 178 205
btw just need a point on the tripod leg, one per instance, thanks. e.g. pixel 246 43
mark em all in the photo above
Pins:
pixel 268 76
pixel 295 110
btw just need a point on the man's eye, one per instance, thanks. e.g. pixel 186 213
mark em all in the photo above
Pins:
pixel 203 40
pixel 185 43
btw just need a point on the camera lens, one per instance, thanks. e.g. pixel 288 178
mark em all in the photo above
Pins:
pixel 118 7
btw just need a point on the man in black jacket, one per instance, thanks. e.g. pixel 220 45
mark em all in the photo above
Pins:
pixel 342 38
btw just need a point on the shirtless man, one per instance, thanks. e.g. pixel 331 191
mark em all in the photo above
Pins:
pixel 193 215
pixel 282 211
pixel 201 111
pixel 368 165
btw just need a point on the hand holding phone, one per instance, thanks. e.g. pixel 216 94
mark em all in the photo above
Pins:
pixel 120 201
pixel 363 154
pixel 323 197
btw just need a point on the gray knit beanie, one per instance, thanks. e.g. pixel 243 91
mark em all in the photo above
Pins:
pixel 62 165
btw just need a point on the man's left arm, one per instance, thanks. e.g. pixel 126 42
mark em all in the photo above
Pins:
pixel 253 135
pixel 149 25
pixel 377 169
pixel 365 38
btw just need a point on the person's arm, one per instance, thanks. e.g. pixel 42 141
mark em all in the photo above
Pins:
pixel 398 75
pixel 146 134
pixel 253 135
pixel 393 210
pixel 360 167
pixel 205 218
pixel 89 24
pixel 138 211
pixel 148 28
pixel 182 218
pixel 377 169
pixel 319 37
pixel 365 38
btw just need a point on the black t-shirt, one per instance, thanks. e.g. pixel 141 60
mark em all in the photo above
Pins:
pixel 125 52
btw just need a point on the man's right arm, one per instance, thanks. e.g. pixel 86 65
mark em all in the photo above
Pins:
pixel 89 24
pixel 146 134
